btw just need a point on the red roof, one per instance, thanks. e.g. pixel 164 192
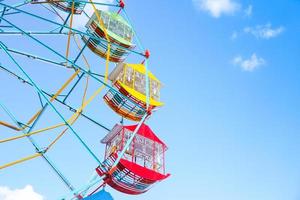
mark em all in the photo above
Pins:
pixel 146 132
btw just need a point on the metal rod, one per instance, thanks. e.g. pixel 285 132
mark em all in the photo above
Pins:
pixel 34 143
pixel 85 116
pixel 52 106
pixel 75 65
pixel 15 6
pixel 36 57
pixel 2 14
pixel 4 26
pixel 73 30
pixel 78 1
pixel 73 87
pixel 72 109
pixel 33 33
pixel 66 20
pixel 79 54
pixel 46 158
pixel 41 101
pixel 12 13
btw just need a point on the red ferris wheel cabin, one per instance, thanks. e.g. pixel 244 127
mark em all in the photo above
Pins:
pixel 143 163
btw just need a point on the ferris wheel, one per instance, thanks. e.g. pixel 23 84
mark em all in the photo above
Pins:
pixel 134 156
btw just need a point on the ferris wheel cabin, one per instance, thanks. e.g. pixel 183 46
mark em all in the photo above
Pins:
pixel 142 165
pixel 118 30
pixel 64 5
pixel 130 81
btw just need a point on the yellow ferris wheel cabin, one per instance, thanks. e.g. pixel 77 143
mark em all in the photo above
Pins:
pixel 130 81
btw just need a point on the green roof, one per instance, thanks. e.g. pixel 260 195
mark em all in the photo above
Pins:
pixel 116 16
pixel 119 18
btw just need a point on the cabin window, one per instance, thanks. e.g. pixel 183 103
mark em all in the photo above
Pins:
pixel 129 151
pixel 143 152
pixel 158 162
pixel 119 29
pixel 155 90
pixel 113 25
pixel 139 82
pixel 129 76
pixel 121 75
pixel 114 144
pixel 128 33
pixel 105 19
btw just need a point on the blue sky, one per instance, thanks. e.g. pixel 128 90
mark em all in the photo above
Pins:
pixel 231 78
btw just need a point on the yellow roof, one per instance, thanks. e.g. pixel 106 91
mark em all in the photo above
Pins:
pixel 142 69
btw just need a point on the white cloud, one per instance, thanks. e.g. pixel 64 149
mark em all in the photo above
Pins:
pixel 264 31
pixel 250 64
pixel 248 11
pixel 217 7
pixel 79 21
pixel 27 193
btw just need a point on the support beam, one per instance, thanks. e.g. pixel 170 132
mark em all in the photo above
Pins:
pixel 72 109
pixel 52 106
pixel 65 22
pixel 37 147
pixel 72 29
pixel 3 12
pixel 74 65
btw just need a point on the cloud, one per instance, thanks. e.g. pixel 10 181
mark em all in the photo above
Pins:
pixel 217 7
pixel 264 31
pixel 248 11
pixel 79 21
pixel 27 193
pixel 250 64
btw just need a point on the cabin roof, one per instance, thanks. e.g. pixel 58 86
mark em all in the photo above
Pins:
pixel 143 131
